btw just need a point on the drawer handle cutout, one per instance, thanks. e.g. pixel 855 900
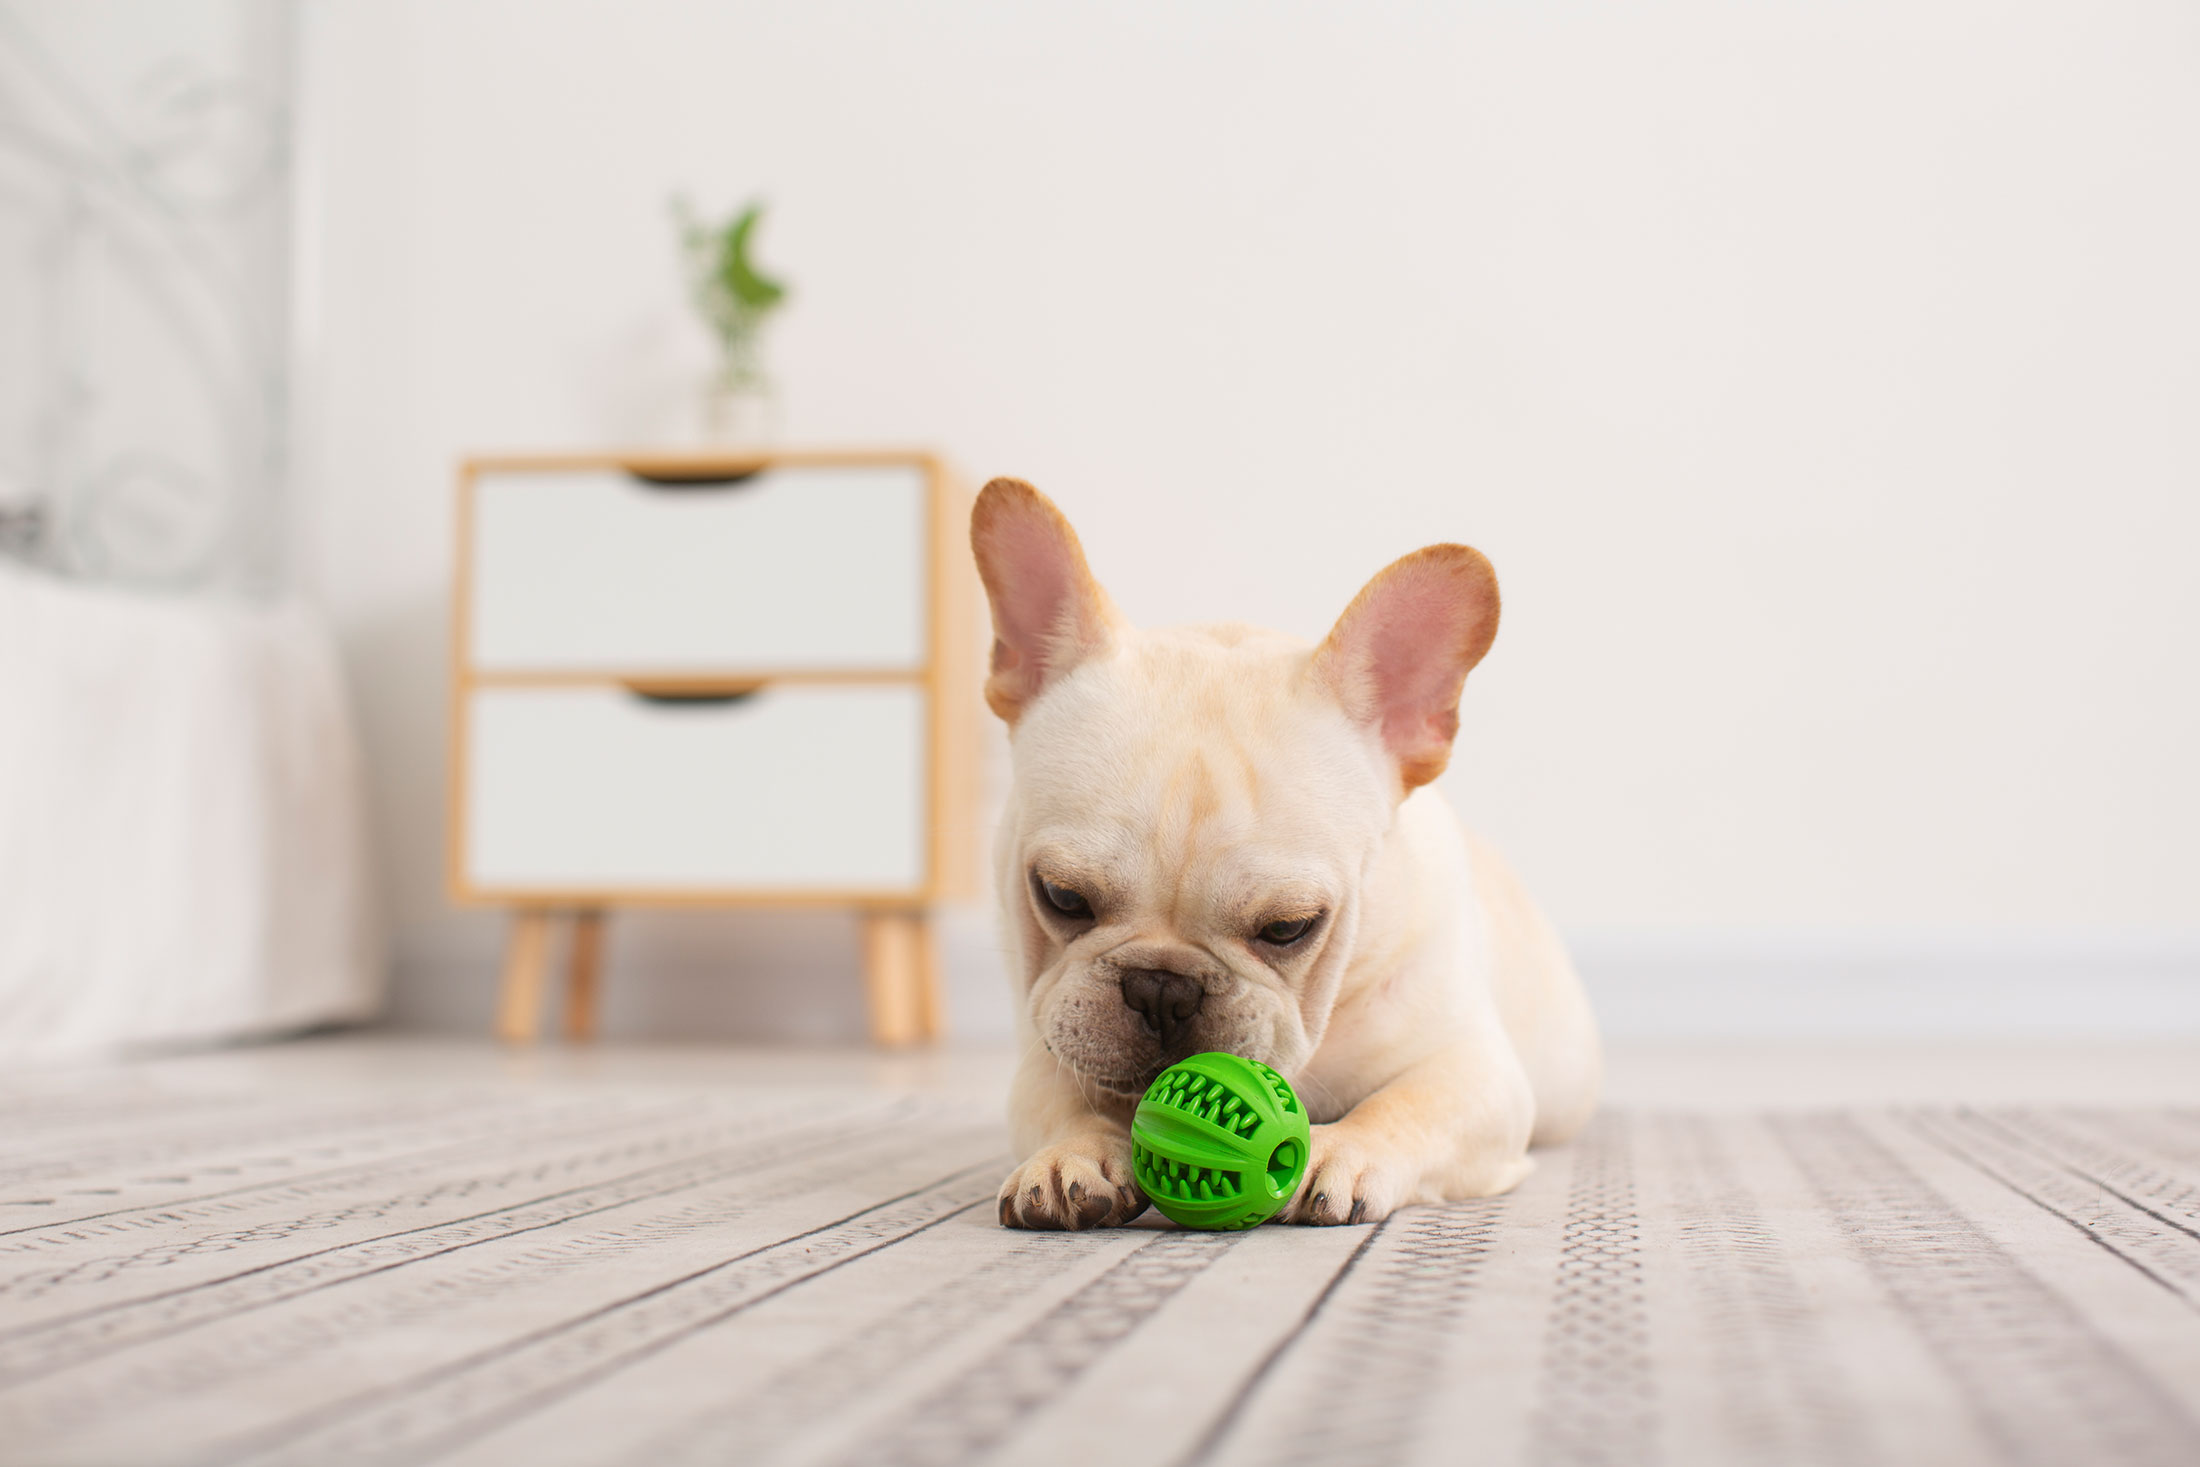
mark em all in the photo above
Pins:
pixel 675 695
pixel 696 476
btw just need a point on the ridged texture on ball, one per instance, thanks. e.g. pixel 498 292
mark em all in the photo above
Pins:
pixel 1220 1141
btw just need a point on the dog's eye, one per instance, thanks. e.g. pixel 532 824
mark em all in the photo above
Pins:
pixel 1062 899
pixel 1284 933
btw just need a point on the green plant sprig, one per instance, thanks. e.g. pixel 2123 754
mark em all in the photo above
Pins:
pixel 731 294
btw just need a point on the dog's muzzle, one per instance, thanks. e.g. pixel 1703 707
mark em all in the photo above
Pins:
pixel 1165 1001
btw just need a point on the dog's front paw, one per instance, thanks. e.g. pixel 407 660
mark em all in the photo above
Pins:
pixel 1347 1182
pixel 1078 1184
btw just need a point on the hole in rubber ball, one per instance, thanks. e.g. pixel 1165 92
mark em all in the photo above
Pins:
pixel 1283 1164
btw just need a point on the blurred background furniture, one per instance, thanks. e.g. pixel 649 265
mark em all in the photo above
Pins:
pixel 182 844
pixel 695 679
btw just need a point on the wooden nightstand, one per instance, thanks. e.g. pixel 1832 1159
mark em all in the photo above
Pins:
pixel 713 680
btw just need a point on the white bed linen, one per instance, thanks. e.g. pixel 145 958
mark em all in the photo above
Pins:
pixel 182 851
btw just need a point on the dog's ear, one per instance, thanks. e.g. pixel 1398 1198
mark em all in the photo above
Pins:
pixel 1401 652
pixel 1049 614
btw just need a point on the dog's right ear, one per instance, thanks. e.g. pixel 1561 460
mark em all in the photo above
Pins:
pixel 1399 656
pixel 1049 614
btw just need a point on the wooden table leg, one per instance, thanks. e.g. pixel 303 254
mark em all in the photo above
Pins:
pixel 931 1017
pixel 890 978
pixel 584 970
pixel 526 955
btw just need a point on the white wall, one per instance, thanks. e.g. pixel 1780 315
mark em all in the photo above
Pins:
pixel 1820 378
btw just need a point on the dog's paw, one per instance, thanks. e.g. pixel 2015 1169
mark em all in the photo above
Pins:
pixel 1079 1184
pixel 1347 1182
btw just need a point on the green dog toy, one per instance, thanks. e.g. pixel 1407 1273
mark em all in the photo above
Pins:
pixel 1220 1141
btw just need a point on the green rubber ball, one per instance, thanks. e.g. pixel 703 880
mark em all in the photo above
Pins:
pixel 1220 1141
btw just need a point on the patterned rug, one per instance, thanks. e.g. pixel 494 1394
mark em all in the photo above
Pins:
pixel 624 1277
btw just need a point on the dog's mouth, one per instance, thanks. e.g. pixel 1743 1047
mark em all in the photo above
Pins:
pixel 1132 1089
pixel 1122 1087
pixel 1125 1087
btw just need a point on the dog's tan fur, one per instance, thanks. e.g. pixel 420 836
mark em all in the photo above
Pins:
pixel 1192 787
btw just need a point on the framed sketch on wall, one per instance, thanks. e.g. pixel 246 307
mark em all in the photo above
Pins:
pixel 145 236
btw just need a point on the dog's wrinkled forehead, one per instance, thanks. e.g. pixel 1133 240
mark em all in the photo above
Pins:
pixel 1199 745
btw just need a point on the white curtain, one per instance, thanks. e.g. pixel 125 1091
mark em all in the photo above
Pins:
pixel 181 838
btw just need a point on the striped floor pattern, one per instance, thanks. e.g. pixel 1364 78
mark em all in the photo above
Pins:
pixel 712 1276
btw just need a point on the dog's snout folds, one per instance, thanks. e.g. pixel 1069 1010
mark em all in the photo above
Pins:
pixel 1165 1001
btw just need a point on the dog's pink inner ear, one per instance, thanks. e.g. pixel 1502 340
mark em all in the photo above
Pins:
pixel 1049 614
pixel 1399 656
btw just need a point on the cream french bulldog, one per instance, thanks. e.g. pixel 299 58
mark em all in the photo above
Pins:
pixel 1221 838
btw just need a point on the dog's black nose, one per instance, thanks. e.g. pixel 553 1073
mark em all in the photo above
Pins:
pixel 1166 1001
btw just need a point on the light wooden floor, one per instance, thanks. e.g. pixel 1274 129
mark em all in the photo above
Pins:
pixel 1702 1074
pixel 383 1250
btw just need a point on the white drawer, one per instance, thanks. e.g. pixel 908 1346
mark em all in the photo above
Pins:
pixel 791 789
pixel 791 567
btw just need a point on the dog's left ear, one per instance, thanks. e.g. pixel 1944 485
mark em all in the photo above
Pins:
pixel 1049 614
pixel 1399 656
